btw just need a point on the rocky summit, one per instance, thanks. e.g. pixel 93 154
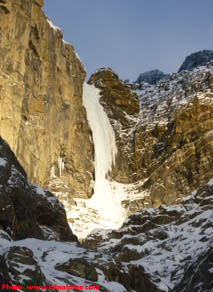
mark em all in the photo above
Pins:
pixel 106 184
pixel 151 77
pixel 194 60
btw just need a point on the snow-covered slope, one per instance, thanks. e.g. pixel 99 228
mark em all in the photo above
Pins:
pixel 164 241
pixel 151 252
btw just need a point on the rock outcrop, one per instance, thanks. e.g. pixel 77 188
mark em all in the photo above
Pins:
pixel 167 149
pixel 194 60
pixel 41 112
pixel 198 276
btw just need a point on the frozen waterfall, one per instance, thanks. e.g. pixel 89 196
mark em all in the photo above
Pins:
pixel 104 200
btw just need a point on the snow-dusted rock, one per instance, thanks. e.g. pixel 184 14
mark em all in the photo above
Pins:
pixel 196 59
pixel 173 138
pixel 164 242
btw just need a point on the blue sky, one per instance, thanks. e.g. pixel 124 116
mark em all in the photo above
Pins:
pixel 133 36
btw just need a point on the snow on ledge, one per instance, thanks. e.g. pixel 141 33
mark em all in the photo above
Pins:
pixel 54 27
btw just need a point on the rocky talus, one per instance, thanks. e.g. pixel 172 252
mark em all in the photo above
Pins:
pixel 41 112
pixel 171 244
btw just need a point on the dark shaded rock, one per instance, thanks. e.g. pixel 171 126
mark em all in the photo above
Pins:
pixel 194 60
pixel 51 214
pixel 17 203
pixel 21 259
pixel 135 279
pixel 199 275
pixel 25 207
pixel 4 272
pixel 80 268
pixel 151 77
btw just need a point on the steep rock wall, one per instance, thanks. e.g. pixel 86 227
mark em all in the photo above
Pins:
pixel 41 112
pixel 174 141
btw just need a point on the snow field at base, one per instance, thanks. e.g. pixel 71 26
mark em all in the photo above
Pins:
pixel 86 219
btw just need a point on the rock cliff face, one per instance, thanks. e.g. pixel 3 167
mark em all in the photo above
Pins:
pixel 173 139
pixel 41 113
pixel 167 149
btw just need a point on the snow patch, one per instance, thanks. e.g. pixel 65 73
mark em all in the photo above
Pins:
pixel 54 27
pixel 3 162
pixel 210 183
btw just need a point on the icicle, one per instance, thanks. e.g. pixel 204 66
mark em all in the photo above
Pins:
pixel 60 165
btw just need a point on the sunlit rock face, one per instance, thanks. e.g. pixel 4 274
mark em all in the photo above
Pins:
pixel 41 112
pixel 174 141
